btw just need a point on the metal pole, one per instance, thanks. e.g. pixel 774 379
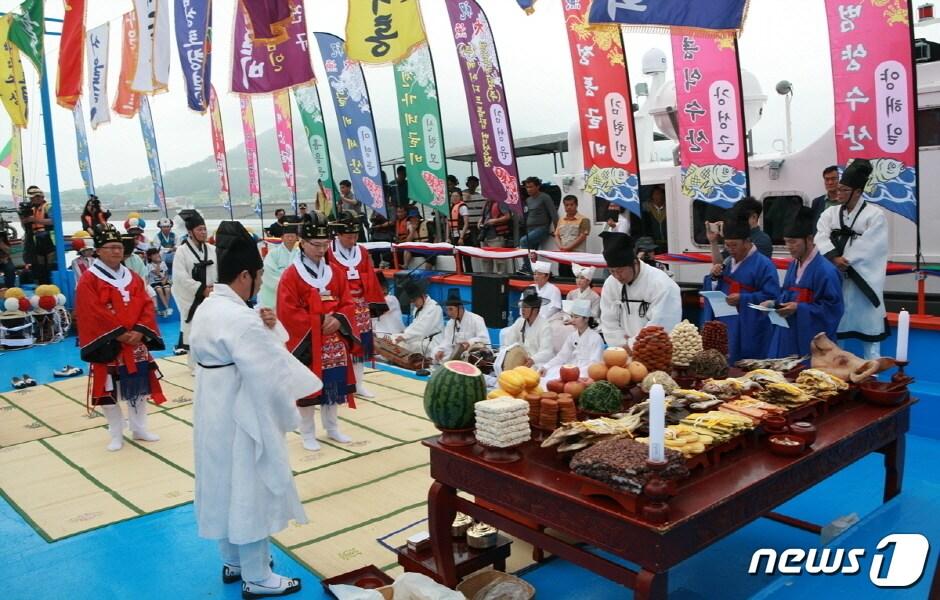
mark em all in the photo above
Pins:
pixel 61 276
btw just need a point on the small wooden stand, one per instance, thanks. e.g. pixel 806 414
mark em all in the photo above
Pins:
pixel 466 559
pixel 656 492
pixel 457 438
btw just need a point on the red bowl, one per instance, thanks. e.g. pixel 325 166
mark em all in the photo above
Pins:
pixel 876 392
pixel 786 445
pixel 369 583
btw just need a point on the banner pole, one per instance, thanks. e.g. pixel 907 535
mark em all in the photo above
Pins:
pixel 61 274
pixel 744 132
pixel 915 140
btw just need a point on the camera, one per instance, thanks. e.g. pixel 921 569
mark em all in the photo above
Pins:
pixel 24 209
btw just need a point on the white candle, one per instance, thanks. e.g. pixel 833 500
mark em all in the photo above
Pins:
pixel 657 423
pixel 904 329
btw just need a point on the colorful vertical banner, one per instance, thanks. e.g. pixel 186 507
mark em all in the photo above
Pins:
pixel 251 150
pixel 605 109
pixel 875 102
pixel 356 124
pixel 193 23
pixel 714 14
pixel 17 180
pixel 311 115
pixel 12 78
pixel 28 30
pixel 486 101
pixel 529 5
pixel 421 135
pixel 81 144
pixel 97 53
pixel 218 147
pixel 259 68
pixel 712 150
pixel 152 70
pixel 284 128
pixel 126 102
pixel 71 54
pixel 383 32
pixel 153 156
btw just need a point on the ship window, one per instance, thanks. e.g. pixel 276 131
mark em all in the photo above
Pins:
pixel 928 127
pixel 702 212
pixel 778 211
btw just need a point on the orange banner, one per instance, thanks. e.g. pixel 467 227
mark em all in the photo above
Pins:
pixel 71 54
pixel 127 102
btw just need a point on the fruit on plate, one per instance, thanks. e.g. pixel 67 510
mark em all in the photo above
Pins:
pixel 530 377
pixel 638 371
pixel 451 393
pixel 653 348
pixel 602 397
pixel 498 393
pixel 597 371
pixel 556 385
pixel 715 337
pixel 574 388
pixel 511 381
pixel 619 376
pixel 616 356
pixel 569 373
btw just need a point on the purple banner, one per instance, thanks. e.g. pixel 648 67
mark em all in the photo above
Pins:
pixel 259 68
pixel 486 101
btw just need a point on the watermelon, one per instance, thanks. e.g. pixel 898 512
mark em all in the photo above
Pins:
pixel 451 393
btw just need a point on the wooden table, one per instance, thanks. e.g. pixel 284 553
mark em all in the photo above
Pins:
pixel 708 506
pixel 467 560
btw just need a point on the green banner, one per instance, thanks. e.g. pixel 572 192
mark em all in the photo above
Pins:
pixel 308 103
pixel 421 136
pixel 28 29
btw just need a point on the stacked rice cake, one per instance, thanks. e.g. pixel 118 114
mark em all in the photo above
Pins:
pixel 502 422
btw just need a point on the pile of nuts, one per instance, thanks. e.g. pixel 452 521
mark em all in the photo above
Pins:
pixel 715 337
pixel 621 463
pixel 686 343
pixel 653 348
pixel 709 364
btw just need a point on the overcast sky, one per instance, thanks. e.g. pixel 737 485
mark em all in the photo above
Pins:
pixel 781 40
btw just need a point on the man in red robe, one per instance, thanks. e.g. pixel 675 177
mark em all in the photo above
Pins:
pixel 118 331
pixel 355 263
pixel 315 306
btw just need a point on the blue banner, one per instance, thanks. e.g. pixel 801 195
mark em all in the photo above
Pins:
pixel 526 5
pixel 714 14
pixel 193 23
pixel 153 157
pixel 356 125
pixel 81 142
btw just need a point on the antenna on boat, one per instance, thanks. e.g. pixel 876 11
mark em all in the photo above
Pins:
pixel 785 88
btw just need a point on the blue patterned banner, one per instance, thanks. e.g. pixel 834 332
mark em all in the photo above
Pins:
pixel 153 157
pixel 356 125
pixel 193 22
pixel 81 141
pixel 714 14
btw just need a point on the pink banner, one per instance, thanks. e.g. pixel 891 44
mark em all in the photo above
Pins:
pixel 218 143
pixel 605 109
pixel 251 146
pixel 285 142
pixel 875 102
pixel 713 153
pixel 262 68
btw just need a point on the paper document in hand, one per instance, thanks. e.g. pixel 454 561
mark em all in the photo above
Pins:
pixel 775 317
pixel 719 303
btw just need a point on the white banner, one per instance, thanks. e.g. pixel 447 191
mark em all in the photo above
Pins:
pixel 153 53
pixel 96 52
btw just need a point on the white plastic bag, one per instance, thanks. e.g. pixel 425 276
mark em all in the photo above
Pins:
pixel 351 592
pixel 415 586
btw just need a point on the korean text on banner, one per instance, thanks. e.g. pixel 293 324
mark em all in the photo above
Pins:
pixel 875 109
pixel 259 68
pixel 153 156
pixel 12 78
pixel 71 54
pixel 152 71
pixel 193 20
pixel 713 155
pixel 28 30
pixel 486 101
pixel 311 115
pixel 97 48
pixel 602 87
pixel 383 32
pixel 17 181
pixel 421 136
pixel 713 14
pixel 218 147
pixel 356 125
pixel 81 145
pixel 284 128
pixel 126 102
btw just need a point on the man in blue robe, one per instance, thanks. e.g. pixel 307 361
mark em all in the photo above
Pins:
pixel 747 277
pixel 811 297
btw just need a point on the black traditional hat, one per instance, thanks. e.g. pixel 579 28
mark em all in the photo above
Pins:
pixel 736 227
pixel 291 224
pixel 315 228
pixel 346 222
pixel 645 244
pixel 856 174
pixel 414 288
pixel 802 225
pixel 192 218
pixel 129 240
pixel 618 249
pixel 531 299
pixel 236 250
pixel 453 297
pixel 105 234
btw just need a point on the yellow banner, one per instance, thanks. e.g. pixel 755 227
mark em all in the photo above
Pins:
pixel 12 80
pixel 383 31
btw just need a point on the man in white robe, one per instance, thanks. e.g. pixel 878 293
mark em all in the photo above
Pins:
pixel 854 236
pixel 584 277
pixel 635 294
pixel 531 330
pixel 389 322
pixel 194 272
pixel 462 330
pixel 427 320
pixel 280 256
pixel 244 489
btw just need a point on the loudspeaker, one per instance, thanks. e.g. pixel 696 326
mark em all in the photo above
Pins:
pixel 491 298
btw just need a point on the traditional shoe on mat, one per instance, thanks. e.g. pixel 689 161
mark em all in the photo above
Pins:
pixel 338 436
pixel 364 392
pixel 18 383
pixel 180 351
pixel 254 590
pixel 67 371
pixel 146 436
pixel 231 574
pixel 311 444
pixel 29 381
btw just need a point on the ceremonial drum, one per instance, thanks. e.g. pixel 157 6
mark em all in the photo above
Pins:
pixel 510 357
pixel 399 356
pixel 481 357
pixel 16 330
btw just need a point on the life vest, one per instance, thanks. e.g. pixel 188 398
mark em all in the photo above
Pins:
pixel 454 220
pixel 502 229
pixel 39 212
pixel 401 230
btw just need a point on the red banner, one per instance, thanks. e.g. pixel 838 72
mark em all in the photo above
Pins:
pixel 875 102
pixel 218 142
pixel 602 86
pixel 713 153
pixel 126 101
pixel 71 54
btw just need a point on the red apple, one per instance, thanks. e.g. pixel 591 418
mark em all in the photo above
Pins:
pixel 556 385
pixel 569 373
pixel 574 388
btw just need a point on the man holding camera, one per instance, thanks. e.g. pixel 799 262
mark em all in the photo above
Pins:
pixel 38 246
